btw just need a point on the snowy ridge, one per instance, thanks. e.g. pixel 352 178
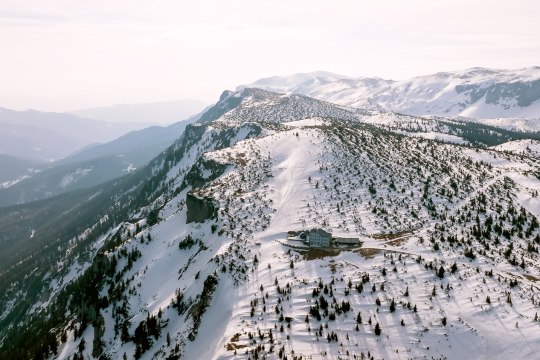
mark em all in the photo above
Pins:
pixel 474 93
pixel 519 124
pixel 258 105
pixel 521 147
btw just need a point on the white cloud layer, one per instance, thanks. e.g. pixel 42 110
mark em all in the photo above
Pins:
pixel 67 54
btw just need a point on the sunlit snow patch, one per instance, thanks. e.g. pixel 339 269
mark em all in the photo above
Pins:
pixel 73 177
pixel 307 122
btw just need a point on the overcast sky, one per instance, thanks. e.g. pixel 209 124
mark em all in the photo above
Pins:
pixel 68 54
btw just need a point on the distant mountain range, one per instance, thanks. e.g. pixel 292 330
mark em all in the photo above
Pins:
pixel 47 136
pixel 43 154
pixel 163 112
pixel 476 93
pixel 88 167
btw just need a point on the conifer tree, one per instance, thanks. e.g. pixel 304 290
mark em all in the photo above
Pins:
pixel 392 305
pixel 377 329
pixel 440 273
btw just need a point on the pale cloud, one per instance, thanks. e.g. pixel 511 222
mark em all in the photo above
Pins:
pixel 67 54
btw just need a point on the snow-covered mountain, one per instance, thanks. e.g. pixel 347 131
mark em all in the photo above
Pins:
pixel 197 255
pixel 474 93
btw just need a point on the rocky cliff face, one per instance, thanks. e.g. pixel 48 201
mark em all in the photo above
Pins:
pixel 199 209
